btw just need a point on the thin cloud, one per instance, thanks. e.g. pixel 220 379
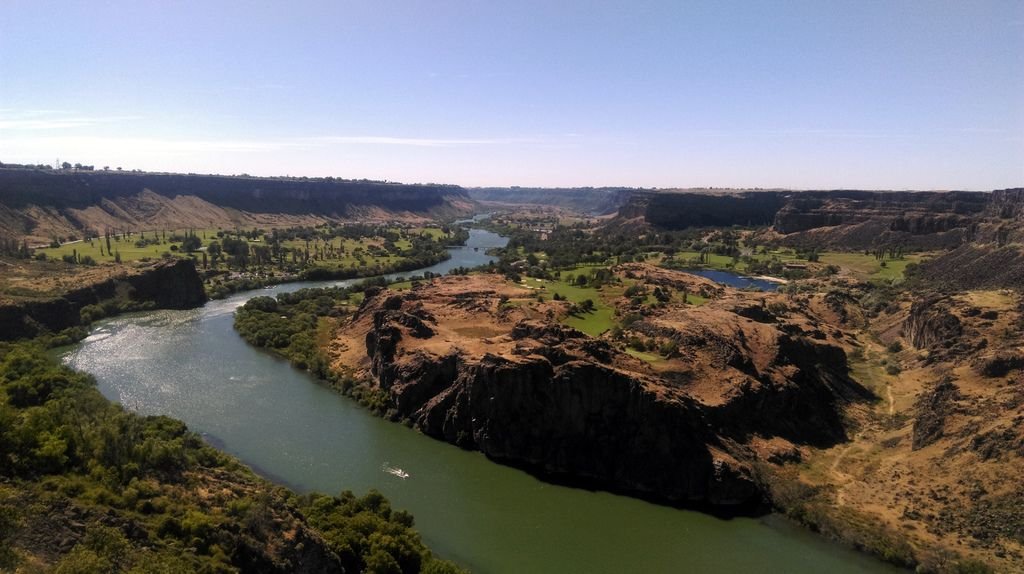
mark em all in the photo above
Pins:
pixel 32 120
pixel 416 142
pixel 155 146
pixel 147 145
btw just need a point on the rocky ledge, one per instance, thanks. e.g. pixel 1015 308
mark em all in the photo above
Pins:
pixel 481 363
pixel 173 284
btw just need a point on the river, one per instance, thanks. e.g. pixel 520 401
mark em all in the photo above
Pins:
pixel 192 366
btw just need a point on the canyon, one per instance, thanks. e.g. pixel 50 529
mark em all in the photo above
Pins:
pixel 748 386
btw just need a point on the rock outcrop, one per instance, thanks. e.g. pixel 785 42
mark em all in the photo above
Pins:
pixel 505 380
pixel 976 266
pixel 933 407
pixel 932 324
pixel 167 284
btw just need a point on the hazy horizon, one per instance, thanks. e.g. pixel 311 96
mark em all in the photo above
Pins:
pixel 652 94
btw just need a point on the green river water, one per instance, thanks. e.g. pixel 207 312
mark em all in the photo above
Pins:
pixel 191 365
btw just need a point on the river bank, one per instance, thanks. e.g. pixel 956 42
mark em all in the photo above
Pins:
pixel 191 365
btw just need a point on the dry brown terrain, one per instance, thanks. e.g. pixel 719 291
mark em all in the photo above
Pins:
pixel 25 280
pixel 939 460
pixel 742 388
pixel 152 211
pixel 917 455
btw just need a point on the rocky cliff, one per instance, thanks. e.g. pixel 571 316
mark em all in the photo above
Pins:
pixel 850 219
pixel 41 204
pixel 678 210
pixel 501 377
pixel 167 284
pixel 598 201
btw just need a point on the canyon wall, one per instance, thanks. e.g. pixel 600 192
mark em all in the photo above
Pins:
pixel 167 285
pixel 548 398
pixel 597 201
pixel 844 219
pixel 38 204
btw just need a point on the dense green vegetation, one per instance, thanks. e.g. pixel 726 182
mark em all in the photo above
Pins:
pixel 293 324
pixel 86 486
pixel 292 249
pixel 590 312
pixel 288 325
pixel 539 254
pixel 243 259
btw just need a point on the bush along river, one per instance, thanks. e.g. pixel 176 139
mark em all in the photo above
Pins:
pixel 191 365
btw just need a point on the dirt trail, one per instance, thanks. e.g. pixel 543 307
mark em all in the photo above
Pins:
pixel 842 478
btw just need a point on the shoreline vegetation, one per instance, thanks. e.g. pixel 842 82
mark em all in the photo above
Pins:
pixel 126 492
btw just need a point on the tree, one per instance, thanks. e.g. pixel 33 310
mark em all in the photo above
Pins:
pixel 191 244
pixel 662 295
pixel 214 250
pixel 669 349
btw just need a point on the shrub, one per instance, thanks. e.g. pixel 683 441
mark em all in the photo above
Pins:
pixel 91 313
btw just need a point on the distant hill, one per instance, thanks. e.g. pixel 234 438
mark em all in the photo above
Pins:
pixel 979 235
pixel 42 204
pixel 854 219
pixel 591 200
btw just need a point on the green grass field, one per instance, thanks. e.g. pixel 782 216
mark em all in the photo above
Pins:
pixel 354 250
pixel 866 266
pixel 593 323
pixel 652 358
pixel 724 262
pixel 129 252
pixel 691 299
pixel 435 233
pixel 126 247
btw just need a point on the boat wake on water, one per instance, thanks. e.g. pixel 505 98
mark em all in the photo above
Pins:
pixel 394 471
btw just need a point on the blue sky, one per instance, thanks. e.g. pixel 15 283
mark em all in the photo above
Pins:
pixel 885 95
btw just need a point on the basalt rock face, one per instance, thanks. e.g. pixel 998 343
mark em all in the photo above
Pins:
pixel 42 204
pixel 19 188
pixel 931 324
pixel 1007 204
pixel 166 285
pixel 933 408
pixel 909 212
pixel 563 414
pixel 849 219
pixel 682 210
pixel 976 266
pixel 174 285
pixel 601 200
pixel 543 396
